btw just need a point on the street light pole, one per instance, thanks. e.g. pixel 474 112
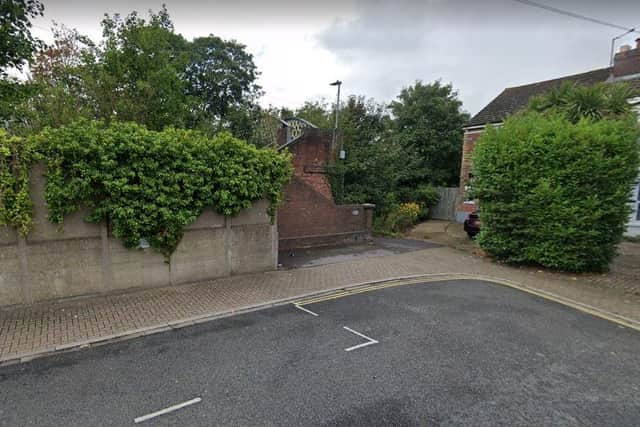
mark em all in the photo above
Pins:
pixel 613 41
pixel 341 154
pixel 335 126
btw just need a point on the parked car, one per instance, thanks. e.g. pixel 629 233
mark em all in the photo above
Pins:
pixel 472 224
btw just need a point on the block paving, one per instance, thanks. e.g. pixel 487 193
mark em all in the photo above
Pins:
pixel 50 326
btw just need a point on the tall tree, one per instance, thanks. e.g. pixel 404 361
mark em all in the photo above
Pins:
pixel 17 44
pixel 137 74
pixel 59 71
pixel 374 162
pixel 428 123
pixel 318 113
pixel 221 76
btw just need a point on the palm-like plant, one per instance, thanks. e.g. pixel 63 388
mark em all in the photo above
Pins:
pixel 603 100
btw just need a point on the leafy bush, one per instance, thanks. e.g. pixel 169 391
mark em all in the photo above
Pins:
pixel 150 184
pixel 402 217
pixel 599 101
pixel 553 191
pixel 16 158
pixel 426 196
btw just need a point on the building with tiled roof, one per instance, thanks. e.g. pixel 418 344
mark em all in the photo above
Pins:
pixel 626 67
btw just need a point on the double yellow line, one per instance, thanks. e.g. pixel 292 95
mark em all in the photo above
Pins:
pixel 368 288
pixel 412 280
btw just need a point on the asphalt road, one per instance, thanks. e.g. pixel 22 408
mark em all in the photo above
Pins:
pixel 448 353
pixel 377 247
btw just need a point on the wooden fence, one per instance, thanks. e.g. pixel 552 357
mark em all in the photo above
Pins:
pixel 446 207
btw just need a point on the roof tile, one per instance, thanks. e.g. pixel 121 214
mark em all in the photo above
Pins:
pixel 514 99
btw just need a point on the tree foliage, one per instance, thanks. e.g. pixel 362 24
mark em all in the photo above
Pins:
pixel 151 184
pixel 428 124
pixel 381 165
pixel 145 72
pixel 147 184
pixel 17 44
pixel 374 164
pixel 221 76
pixel 599 101
pixel 320 113
pixel 136 72
pixel 17 155
pixel 554 183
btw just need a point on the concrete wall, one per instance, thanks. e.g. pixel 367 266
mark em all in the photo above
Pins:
pixel 83 258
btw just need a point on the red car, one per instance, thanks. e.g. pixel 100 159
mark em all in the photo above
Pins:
pixel 472 224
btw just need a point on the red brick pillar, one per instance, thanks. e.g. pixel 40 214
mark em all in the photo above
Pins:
pixel 463 207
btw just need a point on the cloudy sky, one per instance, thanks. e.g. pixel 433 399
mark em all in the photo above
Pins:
pixel 378 46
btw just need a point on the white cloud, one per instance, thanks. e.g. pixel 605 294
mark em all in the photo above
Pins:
pixel 376 47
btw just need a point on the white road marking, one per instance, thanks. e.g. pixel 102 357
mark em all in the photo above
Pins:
pixel 304 309
pixel 167 410
pixel 370 340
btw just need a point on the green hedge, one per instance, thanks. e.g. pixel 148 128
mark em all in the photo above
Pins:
pixel 553 192
pixel 147 184
pixel 17 155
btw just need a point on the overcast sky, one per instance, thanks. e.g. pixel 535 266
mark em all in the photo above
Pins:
pixel 378 46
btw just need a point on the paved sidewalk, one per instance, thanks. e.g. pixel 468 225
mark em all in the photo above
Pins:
pixel 624 271
pixel 58 326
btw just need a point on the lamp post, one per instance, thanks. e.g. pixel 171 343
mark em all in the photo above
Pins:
pixel 335 126
pixel 613 41
pixel 341 153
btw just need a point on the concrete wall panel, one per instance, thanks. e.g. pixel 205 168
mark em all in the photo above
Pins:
pixel 257 214
pixel 199 256
pixel 137 268
pixel 64 268
pixel 251 248
pixel 81 258
pixel 8 236
pixel 73 226
pixel 208 219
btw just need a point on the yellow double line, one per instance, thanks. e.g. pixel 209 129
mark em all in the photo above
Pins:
pixel 411 280
pixel 367 288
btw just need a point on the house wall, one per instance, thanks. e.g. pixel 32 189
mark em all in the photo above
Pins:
pixel 83 258
pixel 309 217
pixel 464 206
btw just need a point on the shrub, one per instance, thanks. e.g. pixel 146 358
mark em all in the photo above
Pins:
pixel 554 192
pixel 402 217
pixel 426 196
pixel 17 155
pixel 147 184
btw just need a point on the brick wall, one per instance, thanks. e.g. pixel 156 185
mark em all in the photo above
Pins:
pixel 469 141
pixel 627 62
pixel 311 156
pixel 309 216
